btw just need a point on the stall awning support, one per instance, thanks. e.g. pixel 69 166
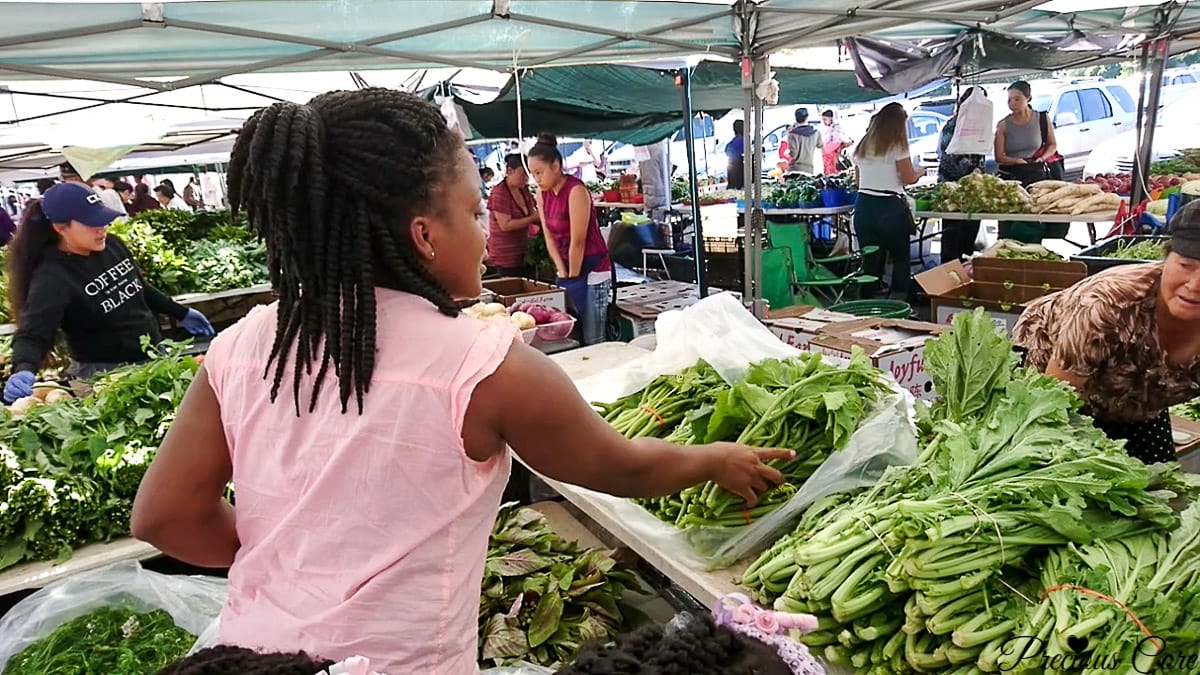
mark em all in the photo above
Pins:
pixel 689 137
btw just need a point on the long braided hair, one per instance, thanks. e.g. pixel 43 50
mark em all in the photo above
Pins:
pixel 694 645
pixel 227 660
pixel 331 187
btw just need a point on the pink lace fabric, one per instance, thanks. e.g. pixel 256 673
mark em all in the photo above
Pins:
pixel 737 613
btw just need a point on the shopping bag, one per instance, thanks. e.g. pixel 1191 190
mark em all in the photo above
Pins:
pixel 973 132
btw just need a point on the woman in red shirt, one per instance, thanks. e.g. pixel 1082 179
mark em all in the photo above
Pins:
pixel 573 237
pixel 512 212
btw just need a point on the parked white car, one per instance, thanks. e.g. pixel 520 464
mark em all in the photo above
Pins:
pixel 1178 128
pixel 1085 115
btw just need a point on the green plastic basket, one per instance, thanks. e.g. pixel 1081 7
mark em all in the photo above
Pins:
pixel 883 309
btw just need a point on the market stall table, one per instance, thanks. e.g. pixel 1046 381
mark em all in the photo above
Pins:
pixel 37 574
pixel 1090 219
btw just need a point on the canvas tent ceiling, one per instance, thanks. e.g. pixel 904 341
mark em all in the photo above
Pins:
pixel 204 41
pixel 641 105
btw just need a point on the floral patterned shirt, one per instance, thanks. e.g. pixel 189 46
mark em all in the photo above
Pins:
pixel 1104 329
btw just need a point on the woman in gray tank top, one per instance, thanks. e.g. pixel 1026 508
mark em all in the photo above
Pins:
pixel 1019 142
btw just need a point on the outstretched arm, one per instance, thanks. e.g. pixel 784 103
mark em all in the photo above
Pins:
pixel 530 404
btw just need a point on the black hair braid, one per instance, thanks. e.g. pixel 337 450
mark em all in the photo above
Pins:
pixel 697 647
pixel 227 660
pixel 330 187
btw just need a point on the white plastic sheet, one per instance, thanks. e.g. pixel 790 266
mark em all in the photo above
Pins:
pixel 192 601
pixel 720 331
pixel 973 130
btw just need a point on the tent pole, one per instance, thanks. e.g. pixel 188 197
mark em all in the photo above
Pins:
pixel 751 151
pixel 1145 150
pixel 689 137
pixel 756 220
pixel 1137 175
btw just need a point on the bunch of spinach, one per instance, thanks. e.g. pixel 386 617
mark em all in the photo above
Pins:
pixel 73 468
pixel 542 597
pixel 918 572
pixel 111 640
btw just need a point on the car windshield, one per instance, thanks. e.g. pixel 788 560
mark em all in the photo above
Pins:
pixel 1181 111
pixel 1041 103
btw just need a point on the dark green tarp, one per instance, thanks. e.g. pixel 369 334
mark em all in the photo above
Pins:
pixel 640 105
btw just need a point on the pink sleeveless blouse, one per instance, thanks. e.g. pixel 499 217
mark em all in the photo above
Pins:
pixel 362 534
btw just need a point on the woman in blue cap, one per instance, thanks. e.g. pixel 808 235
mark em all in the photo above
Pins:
pixel 65 271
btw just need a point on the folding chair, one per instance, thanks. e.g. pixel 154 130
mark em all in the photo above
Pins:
pixel 811 276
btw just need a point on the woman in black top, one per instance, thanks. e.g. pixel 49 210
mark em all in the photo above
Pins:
pixel 65 271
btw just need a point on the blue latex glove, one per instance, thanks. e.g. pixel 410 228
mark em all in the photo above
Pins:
pixel 196 324
pixel 19 385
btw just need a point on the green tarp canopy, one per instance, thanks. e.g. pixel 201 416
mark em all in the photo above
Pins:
pixel 640 105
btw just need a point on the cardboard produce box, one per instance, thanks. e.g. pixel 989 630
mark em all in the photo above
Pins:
pixel 897 347
pixel 1002 287
pixel 797 326
pixel 511 290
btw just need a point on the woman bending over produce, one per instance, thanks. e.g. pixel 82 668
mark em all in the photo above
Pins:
pixel 573 237
pixel 363 514
pixel 882 217
pixel 65 271
pixel 512 212
pixel 1128 339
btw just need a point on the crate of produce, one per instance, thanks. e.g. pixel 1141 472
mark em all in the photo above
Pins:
pixel 1123 250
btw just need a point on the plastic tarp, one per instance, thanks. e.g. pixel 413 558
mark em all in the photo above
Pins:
pixel 897 67
pixel 638 105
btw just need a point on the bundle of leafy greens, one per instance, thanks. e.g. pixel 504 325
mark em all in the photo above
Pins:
pixel 111 640
pixel 803 403
pixel 938 550
pixel 543 597
pixel 72 469
pixel 1189 410
pixel 181 252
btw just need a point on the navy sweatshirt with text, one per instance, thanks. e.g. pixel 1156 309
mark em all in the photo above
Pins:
pixel 100 301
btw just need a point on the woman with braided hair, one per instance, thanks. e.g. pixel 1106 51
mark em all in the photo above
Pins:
pixel 362 517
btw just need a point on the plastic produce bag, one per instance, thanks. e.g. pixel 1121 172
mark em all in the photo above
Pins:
pixel 973 130
pixel 518 669
pixel 192 601
pixel 720 331
pixel 717 329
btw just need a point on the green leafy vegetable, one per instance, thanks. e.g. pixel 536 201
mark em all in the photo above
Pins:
pixel 542 597
pixel 928 570
pixel 70 470
pixel 1133 249
pixel 804 404
pixel 1189 410
pixel 111 640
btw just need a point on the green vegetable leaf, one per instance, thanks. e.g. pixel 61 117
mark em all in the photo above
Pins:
pixel 545 618
pixel 516 563
pixel 503 639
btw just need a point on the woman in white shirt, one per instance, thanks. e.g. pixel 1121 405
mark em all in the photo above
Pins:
pixel 882 217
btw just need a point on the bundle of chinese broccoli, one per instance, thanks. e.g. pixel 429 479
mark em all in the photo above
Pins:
pixel 802 403
pixel 924 572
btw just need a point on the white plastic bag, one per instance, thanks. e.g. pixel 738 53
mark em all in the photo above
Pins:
pixel 720 331
pixel 192 601
pixel 973 131
pixel 518 669
pixel 717 329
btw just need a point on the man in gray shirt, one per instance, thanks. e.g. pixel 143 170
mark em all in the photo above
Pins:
pixel 803 142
